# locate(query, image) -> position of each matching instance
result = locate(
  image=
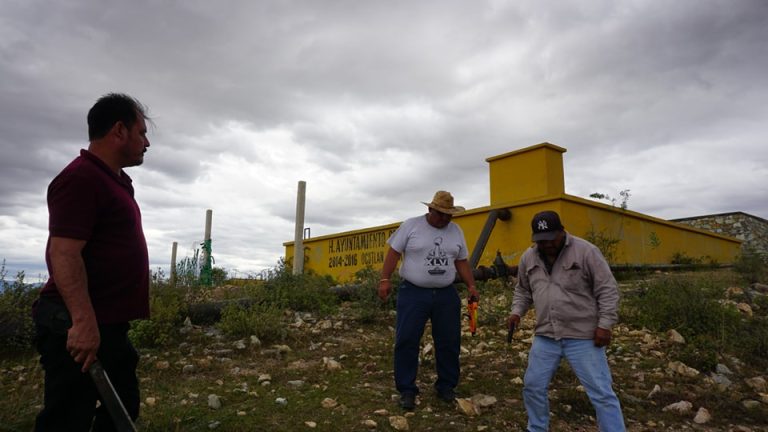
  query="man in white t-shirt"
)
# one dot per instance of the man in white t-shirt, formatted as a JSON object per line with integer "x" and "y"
{"x": 433, "y": 251}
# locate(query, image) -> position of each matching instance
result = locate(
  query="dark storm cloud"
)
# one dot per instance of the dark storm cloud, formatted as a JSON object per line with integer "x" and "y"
{"x": 377, "y": 105}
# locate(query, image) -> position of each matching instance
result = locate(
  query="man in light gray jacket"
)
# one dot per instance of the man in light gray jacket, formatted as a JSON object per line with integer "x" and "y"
{"x": 576, "y": 300}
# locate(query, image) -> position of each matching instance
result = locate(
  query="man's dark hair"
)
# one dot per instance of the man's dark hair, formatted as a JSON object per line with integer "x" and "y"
{"x": 110, "y": 109}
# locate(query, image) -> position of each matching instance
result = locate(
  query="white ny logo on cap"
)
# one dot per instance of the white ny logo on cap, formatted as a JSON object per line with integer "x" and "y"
{"x": 542, "y": 225}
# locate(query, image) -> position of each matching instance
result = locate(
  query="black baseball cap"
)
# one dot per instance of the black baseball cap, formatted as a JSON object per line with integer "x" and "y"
{"x": 545, "y": 226}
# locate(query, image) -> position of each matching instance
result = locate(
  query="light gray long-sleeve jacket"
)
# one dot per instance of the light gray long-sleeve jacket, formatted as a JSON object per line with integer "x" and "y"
{"x": 579, "y": 295}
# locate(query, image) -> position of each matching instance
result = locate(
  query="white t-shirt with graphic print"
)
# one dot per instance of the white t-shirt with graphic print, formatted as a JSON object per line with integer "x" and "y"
{"x": 428, "y": 253}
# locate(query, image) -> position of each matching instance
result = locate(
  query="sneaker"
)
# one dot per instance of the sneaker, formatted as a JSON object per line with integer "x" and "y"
{"x": 446, "y": 395}
{"x": 408, "y": 401}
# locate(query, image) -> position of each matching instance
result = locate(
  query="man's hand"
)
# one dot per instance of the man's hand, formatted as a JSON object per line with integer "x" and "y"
{"x": 473, "y": 293}
{"x": 385, "y": 286}
{"x": 513, "y": 319}
{"x": 83, "y": 342}
{"x": 602, "y": 337}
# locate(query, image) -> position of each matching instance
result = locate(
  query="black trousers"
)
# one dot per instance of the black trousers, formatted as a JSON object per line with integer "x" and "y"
{"x": 70, "y": 395}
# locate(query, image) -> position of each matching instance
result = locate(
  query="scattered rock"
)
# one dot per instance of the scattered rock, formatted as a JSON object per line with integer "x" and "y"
{"x": 656, "y": 389}
{"x": 370, "y": 424}
{"x": 745, "y": 309}
{"x": 467, "y": 407}
{"x": 331, "y": 364}
{"x": 281, "y": 401}
{"x": 214, "y": 401}
{"x": 239, "y": 345}
{"x": 682, "y": 369}
{"x": 162, "y": 365}
{"x": 734, "y": 292}
{"x": 702, "y": 416}
{"x": 329, "y": 403}
{"x": 761, "y": 288}
{"x": 188, "y": 369}
{"x": 682, "y": 407}
{"x": 150, "y": 401}
{"x": 723, "y": 369}
{"x": 381, "y": 412}
{"x": 516, "y": 380}
{"x": 757, "y": 384}
{"x": 722, "y": 381}
{"x": 750, "y": 404}
{"x": 295, "y": 383}
{"x": 675, "y": 337}
{"x": 399, "y": 423}
{"x": 214, "y": 424}
{"x": 483, "y": 401}
{"x": 310, "y": 424}
{"x": 426, "y": 350}
{"x": 255, "y": 341}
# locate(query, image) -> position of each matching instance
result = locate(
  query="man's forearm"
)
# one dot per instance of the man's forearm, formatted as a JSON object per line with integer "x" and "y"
{"x": 390, "y": 262}
{"x": 72, "y": 283}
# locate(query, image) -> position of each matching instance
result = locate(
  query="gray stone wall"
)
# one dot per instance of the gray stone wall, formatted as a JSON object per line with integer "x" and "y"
{"x": 752, "y": 230}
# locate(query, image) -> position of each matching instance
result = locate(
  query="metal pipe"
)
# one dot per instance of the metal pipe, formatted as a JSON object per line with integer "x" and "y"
{"x": 485, "y": 234}
{"x": 298, "y": 238}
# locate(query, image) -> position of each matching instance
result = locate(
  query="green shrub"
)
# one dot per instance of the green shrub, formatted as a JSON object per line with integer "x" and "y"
{"x": 165, "y": 318}
{"x": 263, "y": 320}
{"x": 16, "y": 327}
{"x": 368, "y": 306}
{"x": 691, "y": 304}
{"x": 607, "y": 244}
{"x": 751, "y": 266}
{"x": 307, "y": 292}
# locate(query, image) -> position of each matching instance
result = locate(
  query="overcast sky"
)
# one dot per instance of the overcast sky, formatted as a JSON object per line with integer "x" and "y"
{"x": 376, "y": 105}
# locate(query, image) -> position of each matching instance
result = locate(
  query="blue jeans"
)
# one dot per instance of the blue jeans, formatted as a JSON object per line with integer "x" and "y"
{"x": 590, "y": 366}
{"x": 415, "y": 306}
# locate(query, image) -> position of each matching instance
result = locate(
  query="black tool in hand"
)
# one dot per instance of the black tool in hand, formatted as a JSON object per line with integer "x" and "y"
{"x": 510, "y": 331}
{"x": 117, "y": 411}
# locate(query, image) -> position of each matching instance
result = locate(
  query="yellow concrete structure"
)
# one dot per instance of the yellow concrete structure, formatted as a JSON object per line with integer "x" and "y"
{"x": 525, "y": 182}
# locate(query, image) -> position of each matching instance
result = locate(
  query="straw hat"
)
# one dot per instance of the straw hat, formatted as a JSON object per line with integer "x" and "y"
{"x": 443, "y": 202}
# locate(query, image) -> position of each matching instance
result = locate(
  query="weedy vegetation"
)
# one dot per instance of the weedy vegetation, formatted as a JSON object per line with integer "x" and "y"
{"x": 291, "y": 353}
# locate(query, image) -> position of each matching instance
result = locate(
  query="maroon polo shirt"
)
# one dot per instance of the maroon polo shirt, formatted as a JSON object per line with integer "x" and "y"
{"x": 88, "y": 201}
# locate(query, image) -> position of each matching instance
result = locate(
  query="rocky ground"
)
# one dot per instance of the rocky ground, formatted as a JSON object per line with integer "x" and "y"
{"x": 334, "y": 373}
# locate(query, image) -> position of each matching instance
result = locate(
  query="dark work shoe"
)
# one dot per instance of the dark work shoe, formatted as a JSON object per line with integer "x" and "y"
{"x": 446, "y": 395}
{"x": 408, "y": 401}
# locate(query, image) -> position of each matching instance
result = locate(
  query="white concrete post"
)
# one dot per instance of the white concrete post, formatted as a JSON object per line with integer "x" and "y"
{"x": 208, "y": 221}
{"x": 173, "y": 263}
{"x": 298, "y": 242}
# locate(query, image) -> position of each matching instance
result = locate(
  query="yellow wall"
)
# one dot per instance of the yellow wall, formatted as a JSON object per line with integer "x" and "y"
{"x": 343, "y": 254}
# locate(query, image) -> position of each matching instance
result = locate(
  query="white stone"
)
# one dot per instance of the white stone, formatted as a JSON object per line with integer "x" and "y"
{"x": 675, "y": 337}
{"x": 331, "y": 364}
{"x": 214, "y": 401}
{"x": 745, "y": 309}
{"x": 399, "y": 423}
{"x": 329, "y": 403}
{"x": 757, "y": 384}
{"x": 467, "y": 407}
{"x": 483, "y": 401}
{"x": 682, "y": 407}
{"x": 655, "y": 390}
{"x": 370, "y": 424}
{"x": 702, "y": 416}
{"x": 682, "y": 369}
{"x": 150, "y": 401}
{"x": 750, "y": 404}
{"x": 310, "y": 424}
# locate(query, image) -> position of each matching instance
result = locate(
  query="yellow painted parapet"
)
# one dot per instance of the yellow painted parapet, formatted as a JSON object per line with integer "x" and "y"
{"x": 525, "y": 182}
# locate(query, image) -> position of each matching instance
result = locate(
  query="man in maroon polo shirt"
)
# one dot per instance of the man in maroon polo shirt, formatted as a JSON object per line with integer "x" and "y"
{"x": 99, "y": 266}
